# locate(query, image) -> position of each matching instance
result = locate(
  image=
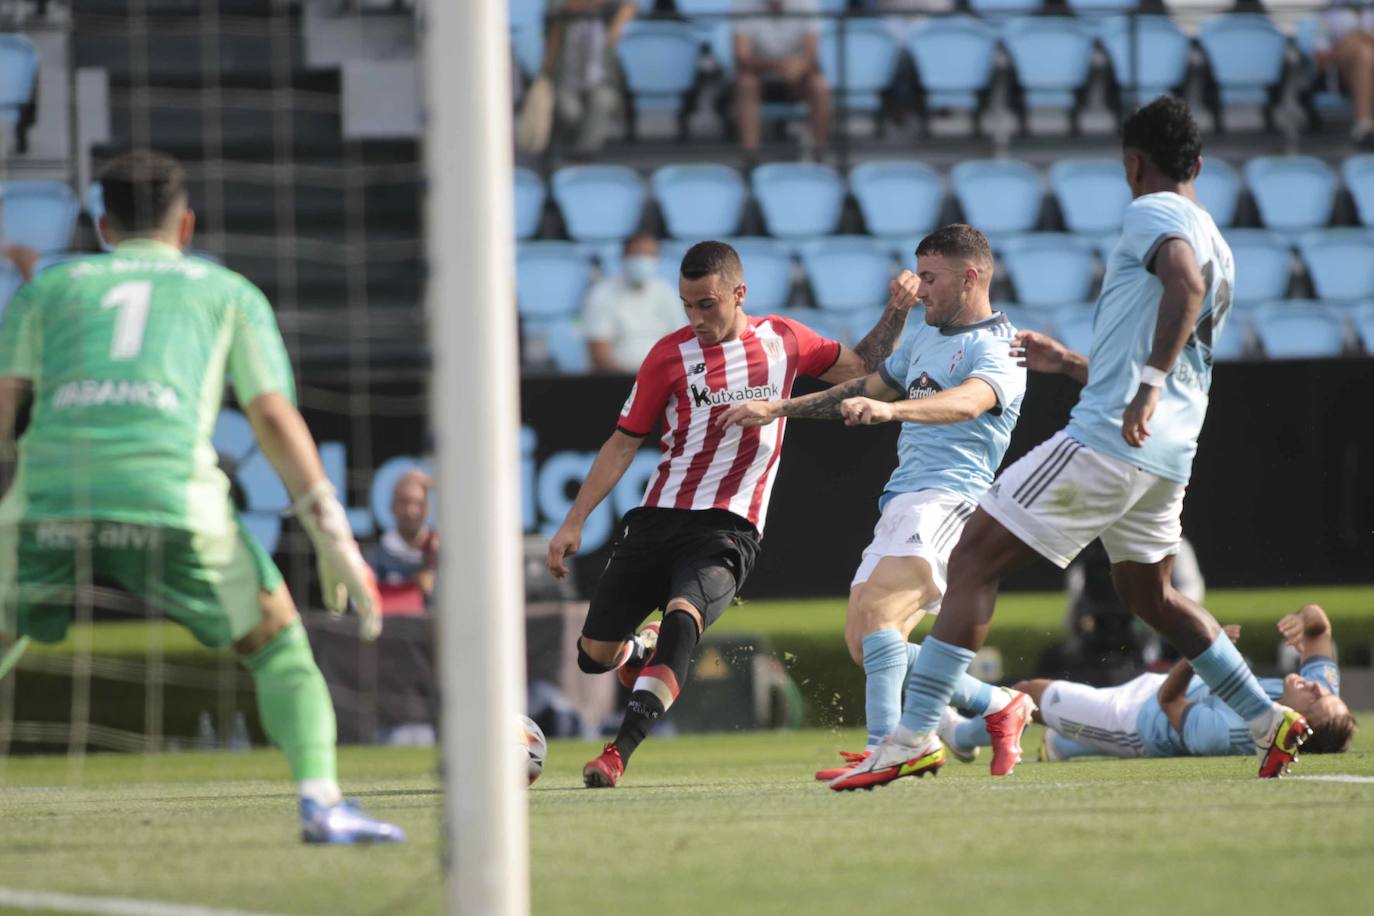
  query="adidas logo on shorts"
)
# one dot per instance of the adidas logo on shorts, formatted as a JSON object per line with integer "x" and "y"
{"x": 914, "y": 539}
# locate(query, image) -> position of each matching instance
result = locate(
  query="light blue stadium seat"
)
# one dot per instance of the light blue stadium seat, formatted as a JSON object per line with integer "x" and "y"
{"x": 1092, "y": 194}
{"x": 18, "y": 70}
{"x": 1358, "y": 173}
{"x": 599, "y": 202}
{"x": 550, "y": 279}
{"x": 998, "y": 195}
{"x": 1264, "y": 265}
{"x": 768, "y": 273}
{"x": 699, "y": 201}
{"x": 10, "y": 280}
{"x": 1299, "y": 329}
{"x": 848, "y": 271}
{"x": 897, "y": 198}
{"x": 1340, "y": 262}
{"x": 993, "y": 9}
{"x": 670, "y": 252}
{"x": 1052, "y": 56}
{"x": 1325, "y": 95}
{"x": 1218, "y": 190}
{"x": 1362, "y": 318}
{"x": 834, "y": 325}
{"x": 1160, "y": 61}
{"x": 870, "y": 61}
{"x": 566, "y": 345}
{"x": 529, "y": 203}
{"x": 1073, "y": 327}
{"x": 1050, "y": 268}
{"x": 798, "y": 199}
{"x": 659, "y": 62}
{"x": 40, "y": 214}
{"x": 526, "y": 13}
{"x": 954, "y": 57}
{"x": 1292, "y": 192}
{"x": 1246, "y": 55}
{"x": 1030, "y": 317}
{"x": 527, "y": 44}
{"x": 1234, "y": 341}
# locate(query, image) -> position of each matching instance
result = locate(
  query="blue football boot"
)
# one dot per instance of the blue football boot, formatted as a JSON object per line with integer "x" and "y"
{"x": 344, "y": 824}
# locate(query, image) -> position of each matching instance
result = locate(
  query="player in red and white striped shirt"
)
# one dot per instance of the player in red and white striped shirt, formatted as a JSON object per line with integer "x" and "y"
{"x": 689, "y": 546}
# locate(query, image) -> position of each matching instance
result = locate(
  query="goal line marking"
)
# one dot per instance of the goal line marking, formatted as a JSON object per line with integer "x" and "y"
{"x": 107, "y": 906}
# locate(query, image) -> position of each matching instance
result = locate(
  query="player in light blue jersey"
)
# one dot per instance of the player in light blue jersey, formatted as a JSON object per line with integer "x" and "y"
{"x": 1176, "y": 715}
{"x": 1119, "y": 470}
{"x": 956, "y": 389}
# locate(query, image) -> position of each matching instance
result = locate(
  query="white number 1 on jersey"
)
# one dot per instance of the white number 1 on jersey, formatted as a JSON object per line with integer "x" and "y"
{"x": 131, "y": 298}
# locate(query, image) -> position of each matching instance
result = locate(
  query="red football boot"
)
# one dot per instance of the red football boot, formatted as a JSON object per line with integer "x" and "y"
{"x": 1005, "y": 728}
{"x": 605, "y": 771}
{"x": 1289, "y": 732}
{"x": 851, "y": 760}
{"x": 891, "y": 761}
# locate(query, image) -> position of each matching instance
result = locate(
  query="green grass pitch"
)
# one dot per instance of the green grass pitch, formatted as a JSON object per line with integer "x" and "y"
{"x": 718, "y": 824}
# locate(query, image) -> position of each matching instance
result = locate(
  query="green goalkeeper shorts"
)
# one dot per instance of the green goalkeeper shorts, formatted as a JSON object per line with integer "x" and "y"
{"x": 211, "y": 585}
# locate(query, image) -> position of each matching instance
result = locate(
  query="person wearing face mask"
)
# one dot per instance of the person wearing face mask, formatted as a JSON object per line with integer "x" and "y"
{"x": 625, "y": 316}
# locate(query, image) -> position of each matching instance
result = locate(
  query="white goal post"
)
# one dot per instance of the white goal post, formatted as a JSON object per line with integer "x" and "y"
{"x": 471, "y": 303}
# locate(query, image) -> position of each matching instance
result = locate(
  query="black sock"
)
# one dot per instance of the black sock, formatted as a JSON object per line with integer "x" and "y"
{"x": 677, "y": 639}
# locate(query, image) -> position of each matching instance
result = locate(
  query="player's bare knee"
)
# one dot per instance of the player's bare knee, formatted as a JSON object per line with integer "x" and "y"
{"x": 686, "y": 607}
{"x": 278, "y": 613}
{"x": 594, "y": 656}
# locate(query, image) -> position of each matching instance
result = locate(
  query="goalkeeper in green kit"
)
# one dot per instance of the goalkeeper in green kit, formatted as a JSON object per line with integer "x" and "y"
{"x": 123, "y": 357}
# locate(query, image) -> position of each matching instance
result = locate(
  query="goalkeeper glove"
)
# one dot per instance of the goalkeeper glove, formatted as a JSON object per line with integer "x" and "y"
{"x": 343, "y": 572}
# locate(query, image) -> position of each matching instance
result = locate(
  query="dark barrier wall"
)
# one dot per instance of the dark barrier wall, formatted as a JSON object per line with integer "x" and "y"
{"x": 1282, "y": 490}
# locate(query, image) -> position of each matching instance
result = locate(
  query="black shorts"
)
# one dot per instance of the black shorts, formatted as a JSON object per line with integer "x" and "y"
{"x": 703, "y": 556}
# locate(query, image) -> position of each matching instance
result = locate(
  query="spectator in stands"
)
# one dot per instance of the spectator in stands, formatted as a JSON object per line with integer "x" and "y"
{"x": 777, "y": 59}
{"x": 24, "y": 258}
{"x": 579, "y": 57}
{"x": 1347, "y": 43}
{"x": 407, "y": 555}
{"x": 625, "y": 316}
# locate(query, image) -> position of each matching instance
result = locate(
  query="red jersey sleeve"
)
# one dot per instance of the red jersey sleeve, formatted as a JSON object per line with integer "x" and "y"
{"x": 815, "y": 354}
{"x": 649, "y": 396}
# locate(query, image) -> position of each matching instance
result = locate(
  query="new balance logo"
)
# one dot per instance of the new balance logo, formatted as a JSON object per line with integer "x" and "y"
{"x": 703, "y": 396}
{"x": 697, "y": 369}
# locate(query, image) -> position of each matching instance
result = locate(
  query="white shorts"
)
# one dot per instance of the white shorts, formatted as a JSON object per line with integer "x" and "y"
{"x": 1102, "y": 718}
{"x": 1062, "y": 494}
{"x": 925, "y": 524}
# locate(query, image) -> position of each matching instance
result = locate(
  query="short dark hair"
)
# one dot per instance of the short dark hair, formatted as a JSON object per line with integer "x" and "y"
{"x": 1331, "y": 735}
{"x": 706, "y": 258}
{"x": 636, "y": 237}
{"x": 140, "y": 188}
{"x": 957, "y": 240}
{"x": 1165, "y": 131}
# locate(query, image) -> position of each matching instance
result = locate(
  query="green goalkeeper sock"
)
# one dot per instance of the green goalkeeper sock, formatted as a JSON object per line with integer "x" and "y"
{"x": 294, "y": 704}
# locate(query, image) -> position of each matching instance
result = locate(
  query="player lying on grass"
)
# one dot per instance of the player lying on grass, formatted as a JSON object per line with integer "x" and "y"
{"x": 124, "y": 356}
{"x": 1119, "y": 470}
{"x": 956, "y": 389}
{"x": 1176, "y": 715}
{"x": 689, "y": 546}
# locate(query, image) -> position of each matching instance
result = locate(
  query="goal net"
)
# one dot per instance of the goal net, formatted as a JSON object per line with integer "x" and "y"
{"x": 300, "y": 183}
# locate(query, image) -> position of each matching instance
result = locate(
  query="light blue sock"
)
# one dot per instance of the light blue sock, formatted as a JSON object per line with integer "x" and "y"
{"x": 1064, "y": 748}
{"x": 970, "y": 694}
{"x": 885, "y": 663}
{"x": 932, "y": 682}
{"x": 972, "y": 733}
{"x": 1226, "y": 674}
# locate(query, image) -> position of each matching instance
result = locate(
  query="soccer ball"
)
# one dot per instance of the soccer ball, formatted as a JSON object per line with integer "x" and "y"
{"x": 532, "y": 740}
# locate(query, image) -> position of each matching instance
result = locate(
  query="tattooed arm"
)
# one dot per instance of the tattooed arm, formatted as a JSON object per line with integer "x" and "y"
{"x": 823, "y": 405}
{"x": 878, "y": 343}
